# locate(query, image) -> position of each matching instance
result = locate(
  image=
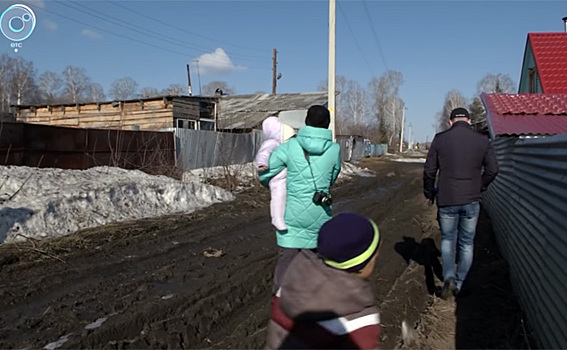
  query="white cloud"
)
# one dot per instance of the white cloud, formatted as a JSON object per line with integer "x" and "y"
{"x": 215, "y": 63}
{"x": 50, "y": 25}
{"x": 89, "y": 33}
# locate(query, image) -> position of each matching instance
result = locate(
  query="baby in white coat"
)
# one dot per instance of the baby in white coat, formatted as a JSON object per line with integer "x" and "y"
{"x": 275, "y": 132}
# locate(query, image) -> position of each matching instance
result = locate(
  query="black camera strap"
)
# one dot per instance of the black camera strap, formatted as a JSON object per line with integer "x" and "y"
{"x": 309, "y": 164}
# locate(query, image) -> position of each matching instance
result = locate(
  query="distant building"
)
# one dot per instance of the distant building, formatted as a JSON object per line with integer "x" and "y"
{"x": 156, "y": 113}
{"x": 526, "y": 201}
{"x": 540, "y": 107}
{"x": 233, "y": 113}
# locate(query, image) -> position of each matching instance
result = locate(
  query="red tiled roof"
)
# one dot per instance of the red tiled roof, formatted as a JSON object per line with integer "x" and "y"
{"x": 526, "y": 114}
{"x": 550, "y": 53}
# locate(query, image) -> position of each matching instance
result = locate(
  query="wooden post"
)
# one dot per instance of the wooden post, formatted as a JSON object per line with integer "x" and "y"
{"x": 274, "y": 65}
{"x": 332, "y": 69}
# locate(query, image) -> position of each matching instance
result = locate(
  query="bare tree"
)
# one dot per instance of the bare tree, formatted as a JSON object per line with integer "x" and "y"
{"x": 23, "y": 81}
{"x": 123, "y": 89}
{"x": 50, "y": 85}
{"x": 6, "y": 73}
{"x": 210, "y": 88}
{"x": 175, "y": 90}
{"x": 492, "y": 84}
{"x": 453, "y": 99}
{"x": 96, "y": 93}
{"x": 148, "y": 92}
{"x": 75, "y": 84}
{"x": 355, "y": 105}
{"x": 392, "y": 118}
{"x": 17, "y": 82}
{"x": 386, "y": 103}
{"x": 496, "y": 84}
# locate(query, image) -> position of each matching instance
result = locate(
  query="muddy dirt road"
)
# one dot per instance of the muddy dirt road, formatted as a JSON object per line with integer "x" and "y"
{"x": 148, "y": 284}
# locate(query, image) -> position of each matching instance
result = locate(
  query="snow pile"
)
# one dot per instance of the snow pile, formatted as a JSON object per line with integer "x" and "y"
{"x": 247, "y": 172}
{"x": 348, "y": 170}
{"x": 409, "y": 160}
{"x": 53, "y": 202}
{"x": 50, "y": 202}
{"x": 244, "y": 172}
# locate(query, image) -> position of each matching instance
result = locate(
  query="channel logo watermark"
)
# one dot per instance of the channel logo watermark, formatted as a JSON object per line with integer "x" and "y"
{"x": 17, "y": 24}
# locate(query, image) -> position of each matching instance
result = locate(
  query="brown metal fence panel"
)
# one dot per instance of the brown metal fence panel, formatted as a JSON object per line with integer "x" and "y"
{"x": 53, "y": 147}
{"x": 130, "y": 149}
{"x": 49, "y": 146}
{"x": 11, "y": 143}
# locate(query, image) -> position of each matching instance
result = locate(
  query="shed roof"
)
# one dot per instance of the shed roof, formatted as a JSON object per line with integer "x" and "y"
{"x": 550, "y": 53}
{"x": 247, "y": 111}
{"x": 526, "y": 114}
{"x": 145, "y": 99}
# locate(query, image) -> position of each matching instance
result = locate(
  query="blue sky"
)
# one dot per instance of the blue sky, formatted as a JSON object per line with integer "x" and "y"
{"x": 438, "y": 46}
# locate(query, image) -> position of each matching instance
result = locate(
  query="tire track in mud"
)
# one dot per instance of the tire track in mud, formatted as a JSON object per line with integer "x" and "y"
{"x": 149, "y": 286}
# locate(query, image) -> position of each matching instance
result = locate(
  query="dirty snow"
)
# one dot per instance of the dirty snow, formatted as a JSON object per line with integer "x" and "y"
{"x": 247, "y": 172}
{"x": 49, "y": 202}
{"x": 409, "y": 160}
{"x": 53, "y": 202}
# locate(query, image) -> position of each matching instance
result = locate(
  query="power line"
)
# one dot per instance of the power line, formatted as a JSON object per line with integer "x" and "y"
{"x": 375, "y": 35}
{"x": 114, "y": 33}
{"x": 177, "y": 28}
{"x": 121, "y": 23}
{"x": 355, "y": 40}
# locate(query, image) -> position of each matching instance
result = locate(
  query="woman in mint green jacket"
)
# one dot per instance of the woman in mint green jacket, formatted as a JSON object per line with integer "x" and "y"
{"x": 313, "y": 164}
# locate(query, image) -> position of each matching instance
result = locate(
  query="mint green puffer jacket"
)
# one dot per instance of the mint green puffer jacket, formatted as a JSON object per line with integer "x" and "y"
{"x": 303, "y": 217}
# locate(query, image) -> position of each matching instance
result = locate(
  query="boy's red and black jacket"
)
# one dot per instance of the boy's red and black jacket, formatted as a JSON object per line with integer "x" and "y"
{"x": 319, "y": 307}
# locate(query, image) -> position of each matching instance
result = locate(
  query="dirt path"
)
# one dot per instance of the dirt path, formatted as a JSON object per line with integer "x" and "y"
{"x": 147, "y": 284}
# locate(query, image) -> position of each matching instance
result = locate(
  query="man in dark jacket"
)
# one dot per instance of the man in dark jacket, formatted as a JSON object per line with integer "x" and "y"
{"x": 467, "y": 164}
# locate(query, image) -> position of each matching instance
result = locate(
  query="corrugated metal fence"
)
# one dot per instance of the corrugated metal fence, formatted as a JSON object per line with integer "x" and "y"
{"x": 354, "y": 148}
{"x": 203, "y": 149}
{"x": 527, "y": 203}
{"x": 36, "y": 145}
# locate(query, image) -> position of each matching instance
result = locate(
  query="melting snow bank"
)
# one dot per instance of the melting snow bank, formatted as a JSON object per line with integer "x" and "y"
{"x": 53, "y": 202}
{"x": 247, "y": 172}
{"x": 348, "y": 170}
{"x": 41, "y": 203}
{"x": 409, "y": 160}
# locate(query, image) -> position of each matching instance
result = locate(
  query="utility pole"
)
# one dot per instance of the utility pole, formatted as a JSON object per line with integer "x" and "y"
{"x": 198, "y": 75}
{"x": 410, "y": 136}
{"x": 331, "y": 88}
{"x": 274, "y": 68}
{"x": 402, "y": 129}
{"x": 189, "y": 89}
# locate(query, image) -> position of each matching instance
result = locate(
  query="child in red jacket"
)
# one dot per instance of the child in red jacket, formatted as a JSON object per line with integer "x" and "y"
{"x": 325, "y": 301}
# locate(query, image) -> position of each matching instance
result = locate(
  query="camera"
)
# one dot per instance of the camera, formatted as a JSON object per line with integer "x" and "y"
{"x": 322, "y": 198}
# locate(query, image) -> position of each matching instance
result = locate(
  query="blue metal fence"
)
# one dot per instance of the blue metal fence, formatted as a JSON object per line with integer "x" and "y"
{"x": 527, "y": 205}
